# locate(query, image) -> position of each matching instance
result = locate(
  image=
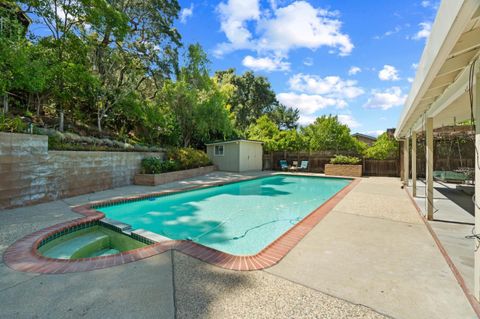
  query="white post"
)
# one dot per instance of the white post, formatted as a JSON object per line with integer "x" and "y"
{"x": 476, "y": 108}
{"x": 406, "y": 159}
{"x": 414, "y": 164}
{"x": 429, "y": 167}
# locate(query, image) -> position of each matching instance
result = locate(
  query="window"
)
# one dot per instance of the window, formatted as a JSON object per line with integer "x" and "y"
{"x": 218, "y": 150}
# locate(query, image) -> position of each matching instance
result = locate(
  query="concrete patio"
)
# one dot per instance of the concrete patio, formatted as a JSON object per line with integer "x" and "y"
{"x": 453, "y": 220}
{"x": 371, "y": 257}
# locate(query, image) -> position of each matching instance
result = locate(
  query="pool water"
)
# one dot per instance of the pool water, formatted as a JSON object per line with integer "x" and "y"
{"x": 240, "y": 218}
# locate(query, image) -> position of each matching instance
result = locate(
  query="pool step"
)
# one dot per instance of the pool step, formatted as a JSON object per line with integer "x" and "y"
{"x": 148, "y": 237}
{"x": 105, "y": 252}
{"x": 78, "y": 247}
{"x": 116, "y": 225}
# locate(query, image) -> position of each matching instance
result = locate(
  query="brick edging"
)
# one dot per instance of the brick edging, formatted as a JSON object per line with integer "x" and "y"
{"x": 456, "y": 273}
{"x": 23, "y": 255}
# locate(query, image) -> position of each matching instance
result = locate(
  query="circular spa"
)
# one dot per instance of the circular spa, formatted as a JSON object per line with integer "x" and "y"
{"x": 87, "y": 242}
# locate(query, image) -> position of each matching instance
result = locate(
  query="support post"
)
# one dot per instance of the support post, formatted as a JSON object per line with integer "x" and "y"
{"x": 414, "y": 164}
{"x": 429, "y": 167}
{"x": 406, "y": 159}
{"x": 476, "y": 108}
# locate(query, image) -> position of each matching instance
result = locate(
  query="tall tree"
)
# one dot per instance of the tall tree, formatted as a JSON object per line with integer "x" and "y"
{"x": 253, "y": 96}
{"x": 328, "y": 134}
{"x": 285, "y": 117}
{"x": 197, "y": 102}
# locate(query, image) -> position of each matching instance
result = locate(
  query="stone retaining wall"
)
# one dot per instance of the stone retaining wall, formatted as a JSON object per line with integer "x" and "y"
{"x": 343, "y": 170}
{"x": 30, "y": 174}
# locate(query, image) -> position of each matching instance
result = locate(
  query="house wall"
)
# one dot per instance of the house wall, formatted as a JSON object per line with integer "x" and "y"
{"x": 229, "y": 161}
{"x": 30, "y": 174}
{"x": 251, "y": 155}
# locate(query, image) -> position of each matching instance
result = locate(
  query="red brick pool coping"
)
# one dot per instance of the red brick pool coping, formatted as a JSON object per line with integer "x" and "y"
{"x": 23, "y": 255}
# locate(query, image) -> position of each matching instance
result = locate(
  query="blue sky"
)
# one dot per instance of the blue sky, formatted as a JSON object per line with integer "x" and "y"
{"x": 352, "y": 58}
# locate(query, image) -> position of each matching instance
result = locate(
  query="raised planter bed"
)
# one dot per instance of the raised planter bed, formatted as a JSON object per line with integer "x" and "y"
{"x": 343, "y": 170}
{"x": 159, "y": 179}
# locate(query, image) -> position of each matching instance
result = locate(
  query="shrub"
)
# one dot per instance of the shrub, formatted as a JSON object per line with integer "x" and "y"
{"x": 12, "y": 125}
{"x": 342, "y": 159}
{"x": 188, "y": 157}
{"x": 152, "y": 165}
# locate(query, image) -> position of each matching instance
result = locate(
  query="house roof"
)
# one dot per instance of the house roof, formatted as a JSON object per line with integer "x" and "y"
{"x": 365, "y": 136}
{"x": 234, "y": 141}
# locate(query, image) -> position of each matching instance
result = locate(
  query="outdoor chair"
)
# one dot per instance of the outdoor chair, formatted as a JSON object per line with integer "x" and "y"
{"x": 294, "y": 166}
{"x": 283, "y": 165}
{"x": 303, "y": 166}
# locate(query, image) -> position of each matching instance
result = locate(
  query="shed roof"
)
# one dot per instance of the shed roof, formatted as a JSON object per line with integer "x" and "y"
{"x": 234, "y": 141}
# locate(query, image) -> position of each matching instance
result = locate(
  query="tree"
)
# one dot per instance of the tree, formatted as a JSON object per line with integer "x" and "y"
{"x": 285, "y": 117}
{"x": 252, "y": 97}
{"x": 328, "y": 134}
{"x": 198, "y": 104}
{"x": 291, "y": 140}
{"x": 13, "y": 51}
{"x": 264, "y": 130}
{"x": 385, "y": 147}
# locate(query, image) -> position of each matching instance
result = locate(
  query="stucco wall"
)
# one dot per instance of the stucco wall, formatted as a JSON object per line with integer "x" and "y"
{"x": 229, "y": 161}
{"x": 251, "y": 156}
{"x": 29, "y": 173}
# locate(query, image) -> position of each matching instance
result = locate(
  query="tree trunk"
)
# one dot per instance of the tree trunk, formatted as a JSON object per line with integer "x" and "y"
{"x": 37, "y": 102}
{"x": 99, "y": 121}
{"x": 5, "y": 103}
{"x": 61, "y": 124}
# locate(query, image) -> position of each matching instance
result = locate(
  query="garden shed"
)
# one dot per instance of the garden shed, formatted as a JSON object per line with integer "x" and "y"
{"x": 236, "y": 155}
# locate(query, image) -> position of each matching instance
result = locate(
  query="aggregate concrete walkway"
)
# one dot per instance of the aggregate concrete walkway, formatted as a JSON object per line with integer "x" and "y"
{"x": 370, "y": 256}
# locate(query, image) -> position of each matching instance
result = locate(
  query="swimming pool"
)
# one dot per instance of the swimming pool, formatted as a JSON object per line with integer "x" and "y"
{"x": 240, "y": 218}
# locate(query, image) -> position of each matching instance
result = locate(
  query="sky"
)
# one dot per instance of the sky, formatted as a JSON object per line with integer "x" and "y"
{"x": 355, "y": 59}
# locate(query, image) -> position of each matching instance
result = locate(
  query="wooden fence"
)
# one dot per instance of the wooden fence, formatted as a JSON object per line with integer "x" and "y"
{"x": 371, "y": 167}
{"x": 317, "y": 161}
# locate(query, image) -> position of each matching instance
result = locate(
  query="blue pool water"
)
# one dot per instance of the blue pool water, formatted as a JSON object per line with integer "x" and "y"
{"x": 240, "y": 218}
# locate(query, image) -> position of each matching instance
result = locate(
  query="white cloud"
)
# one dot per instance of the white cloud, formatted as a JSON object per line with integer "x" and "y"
{"x": 186, "y": 13}
{"x": 388, "y": 33}
{"x": 424, "y": 32}
{"x": 430, "y": 4}
{"x": 308, "y": 104}
{"x": 265, "y": 64}
{"x": 299, "y": 25}
{"x": 425, "y": 4}
{"x": 233, "y": 22}
{"x": 354, "y": 70}
{"x": 386, "y": 99}
{"x": 348, "y": 120}
{"x": 414, "y": 66}
{"x": 388, "y": 73}
{"x": 280, "y": 29}
{"x": 306, "y": 119}
{"x": 410, "y": 80}
{"x": 330, "y": 86}
{"x": 311, "y": 93}
{"x": 308, "y": 61}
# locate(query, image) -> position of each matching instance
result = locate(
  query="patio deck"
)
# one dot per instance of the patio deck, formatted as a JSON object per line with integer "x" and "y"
{"x": 370, "y": 257}
{"x": 453, "y": 220}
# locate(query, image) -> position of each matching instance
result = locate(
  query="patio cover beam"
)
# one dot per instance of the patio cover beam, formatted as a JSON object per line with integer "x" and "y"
{"x": 429, "y": 167}
{"x": 414, "y": 164}
{"x": 477, "y": 185}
